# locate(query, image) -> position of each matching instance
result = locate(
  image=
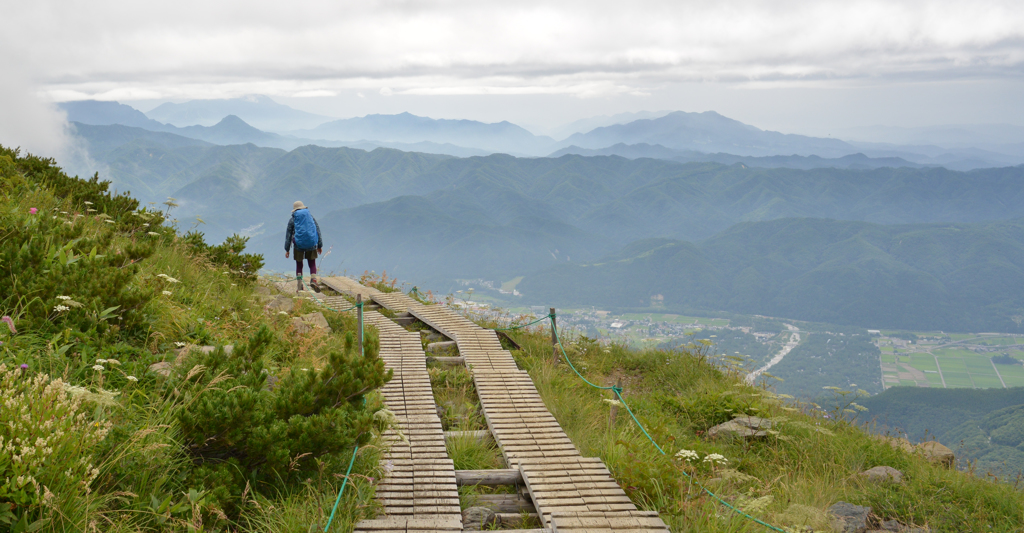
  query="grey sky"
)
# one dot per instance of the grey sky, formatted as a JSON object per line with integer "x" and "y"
{"x": 803, "y": 67}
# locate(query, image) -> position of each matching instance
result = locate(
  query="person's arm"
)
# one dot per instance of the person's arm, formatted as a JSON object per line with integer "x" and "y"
{"x": 288, "y": 236}
{"x": 319, "y": 237}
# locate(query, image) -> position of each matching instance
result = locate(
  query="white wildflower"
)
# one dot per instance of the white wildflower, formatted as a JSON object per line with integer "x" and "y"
{"x": 98, "y": 368}
{"x": 179, "y": 344}
{"x": 132, "y": 378}
{"x": 167, "y": 293}
{"x": 64, "y": 298}
{"x": 282, "y": 313}
{"x": 152, "y": 233}
{"x": 171, "y": 280}
{"x": 108, "y": 221}
{"x": 87, "y": 203}
{"x": 687, "y": 455}
{"x": 61, "y": 308}
{"x": 611, "y": 401}
{"x": 146, "y": 224}
{"x": 114, "y": 362}
{"x": 102, "y": 361}
{"x": 715, "y": 458}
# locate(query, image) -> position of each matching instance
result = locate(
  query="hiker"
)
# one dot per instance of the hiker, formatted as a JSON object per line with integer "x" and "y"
{"x": 304, "y": 233}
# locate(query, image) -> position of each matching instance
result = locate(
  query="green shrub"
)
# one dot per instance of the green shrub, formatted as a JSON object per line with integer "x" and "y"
{"x": 227, "y": 254}
{"x": 245, "y": 429}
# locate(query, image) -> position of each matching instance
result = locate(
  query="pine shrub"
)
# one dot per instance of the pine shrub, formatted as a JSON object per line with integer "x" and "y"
{"x": 227, "y": 254}
{"x": 244, "y": 429}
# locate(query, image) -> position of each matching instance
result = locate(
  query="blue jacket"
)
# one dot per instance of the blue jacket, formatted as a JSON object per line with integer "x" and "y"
{"x": 289, "y": 235}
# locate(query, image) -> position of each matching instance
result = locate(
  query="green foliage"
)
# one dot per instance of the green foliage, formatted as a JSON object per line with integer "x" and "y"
{"x": 806, "y": 463}
{"x": 46, "y": 442}
{"x": 1005, "y": 359}
{"x": 960, "y": 277}
{"x": 227, "y": 254}
{"x": 243, "y": 431}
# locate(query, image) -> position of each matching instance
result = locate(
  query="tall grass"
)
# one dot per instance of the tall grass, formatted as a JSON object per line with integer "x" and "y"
{"x": 789, "y": 479}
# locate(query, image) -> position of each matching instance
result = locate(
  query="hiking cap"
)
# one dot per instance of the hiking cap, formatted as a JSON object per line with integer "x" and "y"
{"x": 297, "y": 205}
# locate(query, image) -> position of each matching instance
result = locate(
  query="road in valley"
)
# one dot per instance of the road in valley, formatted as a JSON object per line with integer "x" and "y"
{"x": 794, "y": 339}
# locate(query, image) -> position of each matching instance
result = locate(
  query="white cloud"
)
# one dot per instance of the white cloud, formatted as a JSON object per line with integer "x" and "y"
{"x": 190, "y": 49}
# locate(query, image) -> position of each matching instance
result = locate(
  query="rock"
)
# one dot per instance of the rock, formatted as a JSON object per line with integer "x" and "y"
{"x": 883, "y": 474}
{"x": 317, "y": 320}
{"x": 205, "y": 349}
{"x": 849, "y": 518}
{"x": 898, "y": 443}
{"x": 889, "y": 526}
{"x": 262, "y": 291}
{"x": 281, "y": 303}
{"x": 937, "y": 453}
{"x": 442, "y": 347}
{"x": 477, "y": 518}
{"x": 745, "y": 427}
{"x": 163, "y": 368}
{"x": 300, "y": 326}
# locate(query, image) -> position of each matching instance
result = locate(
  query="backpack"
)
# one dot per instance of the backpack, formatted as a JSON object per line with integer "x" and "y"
{"x": 306, "y": 237}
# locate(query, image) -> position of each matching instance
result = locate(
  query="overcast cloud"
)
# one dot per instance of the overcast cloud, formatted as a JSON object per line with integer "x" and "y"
{"x": 615, "y": 52}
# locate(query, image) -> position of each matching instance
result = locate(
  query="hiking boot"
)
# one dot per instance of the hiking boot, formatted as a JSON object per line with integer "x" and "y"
{"x": 314, "y": 285}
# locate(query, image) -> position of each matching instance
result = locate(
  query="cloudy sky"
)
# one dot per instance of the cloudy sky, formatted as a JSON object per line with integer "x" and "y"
{"x": 802, "y": 67}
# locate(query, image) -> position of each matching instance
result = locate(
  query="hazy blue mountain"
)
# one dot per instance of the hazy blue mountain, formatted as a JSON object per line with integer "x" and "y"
{"x": 948, "y": 135}
{"x": 408, "y": 128}
{"x": 954, "y": 277}
{"x": 234, "y": 130}
{"x": 634, "y": 151}
{"x": 94, "y": 112}
{"x": 586, "y": 124}
{"x": 416, "y": 239}
{"x": 260, "y": 111}
{"x": 708, "y": 132}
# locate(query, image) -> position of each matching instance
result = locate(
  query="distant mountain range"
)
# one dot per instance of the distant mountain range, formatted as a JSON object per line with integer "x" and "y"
{"x": 676, "y": 136}
{"x": 408, "y": 128}
{"x": 260, "y": 111}
{"x": 635, "y": 151}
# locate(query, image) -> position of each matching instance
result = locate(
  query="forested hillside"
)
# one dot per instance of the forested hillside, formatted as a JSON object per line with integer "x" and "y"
{"x": 958, "y": 277}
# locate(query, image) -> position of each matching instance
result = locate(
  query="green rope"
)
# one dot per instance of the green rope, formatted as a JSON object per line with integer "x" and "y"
{"x": 343, "y": 483}
{"x": 618, "y": 394}
{"x": 510, "y": 328}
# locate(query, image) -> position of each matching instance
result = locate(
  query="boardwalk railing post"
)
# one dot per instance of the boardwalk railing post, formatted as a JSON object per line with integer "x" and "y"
{"x": 615, "y": 406}
{"x": 554, "y": 337}
{"x": 359, "y": 311}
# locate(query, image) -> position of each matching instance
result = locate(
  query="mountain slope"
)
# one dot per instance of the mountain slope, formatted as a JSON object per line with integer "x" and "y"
{"x": 708, "y": 132}
{"x": 409, "y": 128}
{"x": 260, "y": 111}
{"x": 955, "y": 277}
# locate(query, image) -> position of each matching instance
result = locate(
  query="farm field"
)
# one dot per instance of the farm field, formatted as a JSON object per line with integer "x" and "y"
{"x": 960, "y": 360}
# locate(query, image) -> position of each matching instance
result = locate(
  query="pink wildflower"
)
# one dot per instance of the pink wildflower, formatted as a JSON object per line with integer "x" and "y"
{"x": 32, "y": 210}
{"x": 10, "y": 324}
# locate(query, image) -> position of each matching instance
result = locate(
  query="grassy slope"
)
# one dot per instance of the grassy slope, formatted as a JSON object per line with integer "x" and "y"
{"x": 143, "y": 480}
{"x": 794, "y": 476}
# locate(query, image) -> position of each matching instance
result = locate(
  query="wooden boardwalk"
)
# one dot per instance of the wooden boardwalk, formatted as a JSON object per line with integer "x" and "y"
{"x": 419, "y": 491}
{"x": 571, "y": 492}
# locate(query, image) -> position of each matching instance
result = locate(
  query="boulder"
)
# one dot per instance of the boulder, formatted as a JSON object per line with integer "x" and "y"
{"x": 300, "y": 326}
{"x": 478, "y": 518}
{"x": 317, "y": 320}
{"x": 744, "y": 427}
{"x": 937, "y": 453}
{"x": 281, "y": 303}
{"x": 442, "y": 347}
{"x": 163, "y": 368}
{"x": 849, "y": 518}
{"x": 898, "y": 443}
{"x": 883, "y": 474}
